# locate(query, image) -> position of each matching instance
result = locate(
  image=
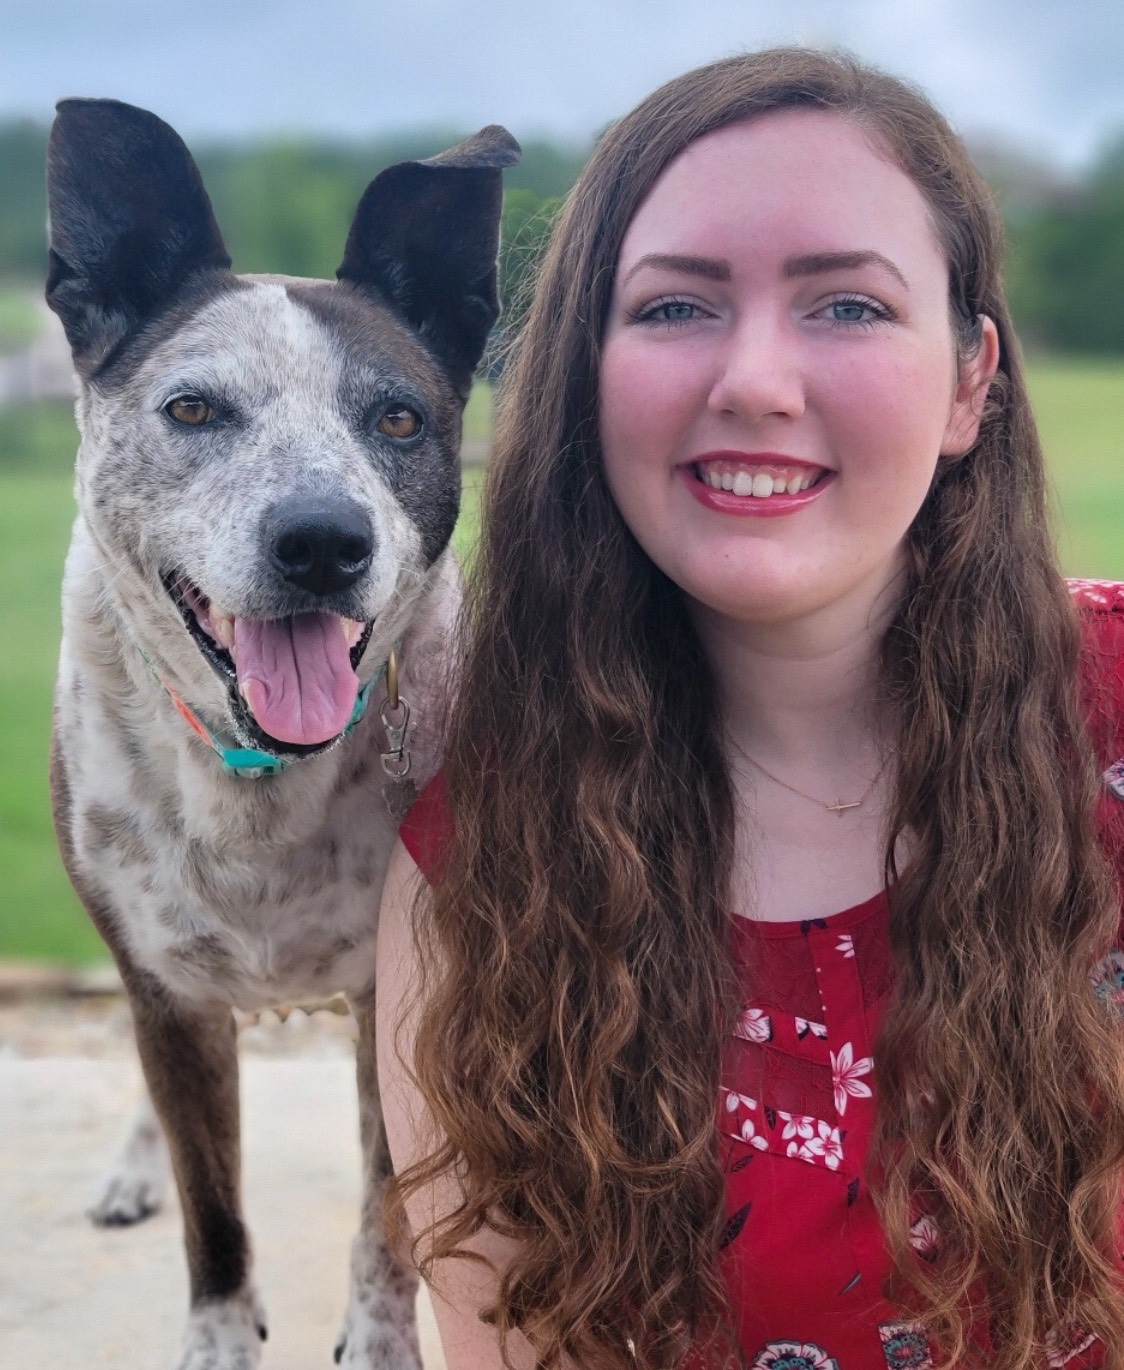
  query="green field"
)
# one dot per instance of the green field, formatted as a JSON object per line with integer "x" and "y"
{"x": 19, "y": 319}
{"x": 1080, "y": 406}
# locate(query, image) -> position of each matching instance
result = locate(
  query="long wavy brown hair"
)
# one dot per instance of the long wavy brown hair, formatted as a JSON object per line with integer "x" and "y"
{"x": 578, "y": 988}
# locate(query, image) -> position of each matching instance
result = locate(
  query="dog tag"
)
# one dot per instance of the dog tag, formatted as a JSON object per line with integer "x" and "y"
{"x": 399, "y": 795}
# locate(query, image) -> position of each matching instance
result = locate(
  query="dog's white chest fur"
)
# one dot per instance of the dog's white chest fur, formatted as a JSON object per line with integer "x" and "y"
{"x": 241, "y": 916}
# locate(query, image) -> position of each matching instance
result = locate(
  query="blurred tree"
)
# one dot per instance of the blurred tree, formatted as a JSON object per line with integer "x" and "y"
{"x": 546, "y": 169}
{"x": 23, "y": 201}
{"x": 284, "y": 207}
{"x": 1066, "y": 271}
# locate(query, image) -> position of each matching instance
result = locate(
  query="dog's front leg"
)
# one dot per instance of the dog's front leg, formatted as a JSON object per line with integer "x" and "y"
{"x": 191, "y": 1067}
{"x": 380, "y": 1327}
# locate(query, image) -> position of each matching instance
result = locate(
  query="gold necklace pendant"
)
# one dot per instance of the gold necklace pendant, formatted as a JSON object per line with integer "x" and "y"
{"x": 840, "y": 807}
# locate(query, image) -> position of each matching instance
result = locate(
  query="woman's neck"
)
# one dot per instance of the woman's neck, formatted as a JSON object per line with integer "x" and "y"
{"x": 809, "y": 745}
{"x": 795, "y": 693}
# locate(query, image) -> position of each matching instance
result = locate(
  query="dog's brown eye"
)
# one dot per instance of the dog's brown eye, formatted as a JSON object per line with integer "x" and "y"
{"x": 399, "y": 422}
{"x": 189, "y": 409}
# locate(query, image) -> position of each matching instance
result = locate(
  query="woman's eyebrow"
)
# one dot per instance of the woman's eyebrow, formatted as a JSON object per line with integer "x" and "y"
{"x": 818, "y": 263}
{"x": 710, "y": 268}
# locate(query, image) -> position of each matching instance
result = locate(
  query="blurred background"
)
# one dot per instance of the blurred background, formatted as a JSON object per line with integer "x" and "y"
{"x": 292, "y": 107}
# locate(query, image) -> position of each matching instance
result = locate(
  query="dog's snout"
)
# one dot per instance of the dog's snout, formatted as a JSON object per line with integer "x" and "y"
{"x": 321, "y": 546}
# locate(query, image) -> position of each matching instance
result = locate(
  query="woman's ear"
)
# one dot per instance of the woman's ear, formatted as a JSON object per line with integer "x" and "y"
{"x": 968, "y": 402}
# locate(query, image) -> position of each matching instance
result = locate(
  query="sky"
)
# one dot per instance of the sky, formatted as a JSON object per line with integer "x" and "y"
{"x": 1045, "y": 75}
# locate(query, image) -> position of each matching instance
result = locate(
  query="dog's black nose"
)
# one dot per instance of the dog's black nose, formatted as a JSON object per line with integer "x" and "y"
{"x": 321, "y": 545}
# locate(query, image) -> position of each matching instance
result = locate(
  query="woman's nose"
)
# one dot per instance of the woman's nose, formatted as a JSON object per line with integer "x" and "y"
{"x": 759, "y": 372}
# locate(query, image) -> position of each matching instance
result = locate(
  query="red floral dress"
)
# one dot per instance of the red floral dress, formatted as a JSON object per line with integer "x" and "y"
{"x": 804, "y": 1253}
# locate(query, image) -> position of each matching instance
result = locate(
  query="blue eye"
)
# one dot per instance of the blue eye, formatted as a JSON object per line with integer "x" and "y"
{"x": 848, "y": 311}
{"x": 670, "y": 312}
{"x": 855, "y": 311}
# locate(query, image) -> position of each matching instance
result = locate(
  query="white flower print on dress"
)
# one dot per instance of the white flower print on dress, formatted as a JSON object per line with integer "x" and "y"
{"x": 750, "y": 1134}
{"x": 924, "y": 1238}
{"x": 1064, "y": 1349}
{"x": 734, "y": 1101}
{"x": 793, "y": 1355}
{"x": 797, "y": 1125}
{"x": 804, "y": 1026}
{"x": 754, "y": 1025}
{"x": 846, "y": 946}
{"x": 846, "y": 1075}
{"x": 824, "y": 1146}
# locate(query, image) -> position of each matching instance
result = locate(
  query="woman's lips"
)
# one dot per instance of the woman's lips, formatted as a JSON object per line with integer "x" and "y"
{"x": 758, "y": 485}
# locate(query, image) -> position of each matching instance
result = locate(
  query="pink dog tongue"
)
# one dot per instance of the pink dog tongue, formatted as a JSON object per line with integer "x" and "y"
{"x": 295, "y": 675}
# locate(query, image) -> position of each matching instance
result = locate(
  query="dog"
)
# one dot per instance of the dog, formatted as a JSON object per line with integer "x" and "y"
{"x": 258, "y": 591}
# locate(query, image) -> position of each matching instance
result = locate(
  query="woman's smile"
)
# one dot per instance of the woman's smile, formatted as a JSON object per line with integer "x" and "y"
{"x": 754, "y": 485}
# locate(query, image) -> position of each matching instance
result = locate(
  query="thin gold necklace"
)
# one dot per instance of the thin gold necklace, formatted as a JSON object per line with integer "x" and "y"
{"x": 840, "y": 806}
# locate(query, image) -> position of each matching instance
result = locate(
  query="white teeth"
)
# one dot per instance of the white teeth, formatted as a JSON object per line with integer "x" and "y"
{"x": 244, "y": 691}
{"x": 759, "y": 484}
{"x": 352, "y": 630}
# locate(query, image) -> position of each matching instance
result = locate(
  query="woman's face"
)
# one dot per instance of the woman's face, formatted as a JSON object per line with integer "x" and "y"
{"x": 779, "y": 376}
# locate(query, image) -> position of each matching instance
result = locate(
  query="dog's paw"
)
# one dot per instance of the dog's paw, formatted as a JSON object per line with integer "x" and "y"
{"x": 380, "y": 1328}
{"x": 134, "y": 1186}
{"x": 225, "y": 1334}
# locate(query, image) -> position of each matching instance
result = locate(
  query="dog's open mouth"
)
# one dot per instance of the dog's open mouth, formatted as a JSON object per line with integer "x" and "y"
{"x": 292, "y": 680}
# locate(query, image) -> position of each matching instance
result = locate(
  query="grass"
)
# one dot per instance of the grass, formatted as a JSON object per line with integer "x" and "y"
{"x": 1079, "y": 404}
{"x": 20, "y": 320}
{"x": 1080, "y": 409}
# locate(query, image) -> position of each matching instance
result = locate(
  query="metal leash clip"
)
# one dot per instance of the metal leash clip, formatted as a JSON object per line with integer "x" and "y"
{"x": 394, "y": 714}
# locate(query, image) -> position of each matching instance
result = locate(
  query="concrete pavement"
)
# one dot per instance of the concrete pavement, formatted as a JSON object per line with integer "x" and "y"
{"x": 74, "y": 1297}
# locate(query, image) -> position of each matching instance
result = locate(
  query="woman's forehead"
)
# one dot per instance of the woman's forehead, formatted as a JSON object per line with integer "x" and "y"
{"x": 813, "y": 178}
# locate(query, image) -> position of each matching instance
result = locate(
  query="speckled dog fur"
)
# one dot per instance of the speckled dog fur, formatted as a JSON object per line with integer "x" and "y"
{"x": 214, "y": 891}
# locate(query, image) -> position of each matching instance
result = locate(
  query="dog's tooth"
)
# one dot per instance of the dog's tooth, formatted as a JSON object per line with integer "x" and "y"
{"x": 244, "y": 689}
{"x": 223, "y": 626}
{"x": 352, "y": 630}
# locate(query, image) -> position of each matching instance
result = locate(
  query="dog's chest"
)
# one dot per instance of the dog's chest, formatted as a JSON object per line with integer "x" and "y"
{"x": 282, "y": 925}
{"x": 261, "y": 902}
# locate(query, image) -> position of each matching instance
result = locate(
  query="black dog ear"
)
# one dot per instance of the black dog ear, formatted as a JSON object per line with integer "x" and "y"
{"x": 130, "y": 222}
{"x": 425, "y": 238}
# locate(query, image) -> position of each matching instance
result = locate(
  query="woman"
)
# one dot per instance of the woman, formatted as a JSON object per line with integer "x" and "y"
{"x": 767, "y": 786}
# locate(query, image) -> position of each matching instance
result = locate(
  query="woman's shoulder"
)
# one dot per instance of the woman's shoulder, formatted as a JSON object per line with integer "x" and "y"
{"x": 1100, "y": 606}
{"x": 1097, "y": 600}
